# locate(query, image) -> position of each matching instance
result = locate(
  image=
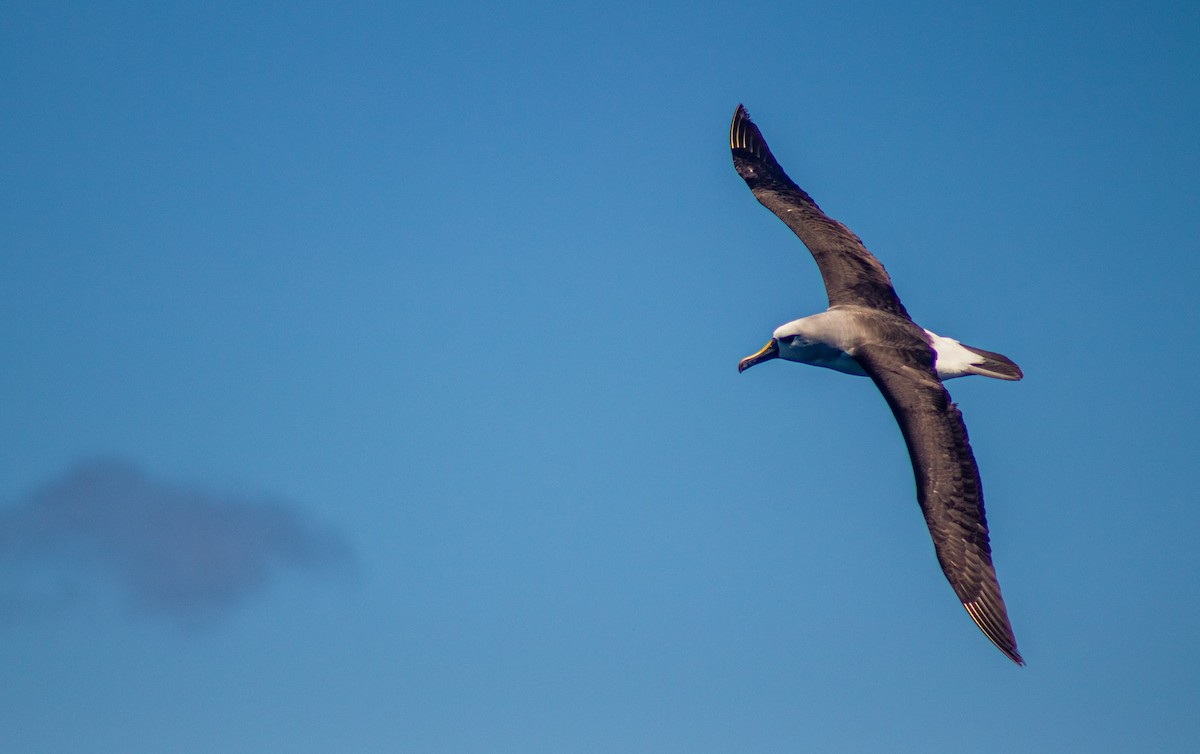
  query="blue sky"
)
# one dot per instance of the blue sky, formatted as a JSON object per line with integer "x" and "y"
{"x": 371, "y": 377}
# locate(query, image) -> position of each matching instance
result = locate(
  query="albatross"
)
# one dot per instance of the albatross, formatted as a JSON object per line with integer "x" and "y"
{"x": 866, "y": 331}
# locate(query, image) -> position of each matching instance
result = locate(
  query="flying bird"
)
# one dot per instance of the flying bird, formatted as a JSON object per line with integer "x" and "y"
{"x": 866, "y": 331}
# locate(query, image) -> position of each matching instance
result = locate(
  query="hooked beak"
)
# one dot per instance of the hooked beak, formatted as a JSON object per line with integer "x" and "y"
{"x": 768, "y": 352}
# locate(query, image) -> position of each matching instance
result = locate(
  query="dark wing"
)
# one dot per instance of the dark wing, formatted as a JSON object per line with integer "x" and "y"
{"x": 948, "y": 485}
{"x": 852, "y": 274}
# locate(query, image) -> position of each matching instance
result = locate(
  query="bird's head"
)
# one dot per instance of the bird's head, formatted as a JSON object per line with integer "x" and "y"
{"x": 790, "y": 341}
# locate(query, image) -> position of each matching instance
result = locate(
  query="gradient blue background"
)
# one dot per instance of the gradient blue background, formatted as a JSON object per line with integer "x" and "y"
{"x": 464, "y": 287}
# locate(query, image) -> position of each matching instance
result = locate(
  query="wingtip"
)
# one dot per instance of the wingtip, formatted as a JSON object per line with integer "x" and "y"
{"x": 1015, "y": 656}
{"x": 1012, "y": 654}
{"x": 744, "y": 135}
{"x": 737, "y": 128}
{"x": 997, "y": 629}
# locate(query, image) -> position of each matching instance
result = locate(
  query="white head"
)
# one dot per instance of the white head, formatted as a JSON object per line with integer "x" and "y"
{"x": 786, "y": 338}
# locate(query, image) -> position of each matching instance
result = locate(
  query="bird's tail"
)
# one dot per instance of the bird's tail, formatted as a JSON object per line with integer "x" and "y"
{"x": 993, "y": 365}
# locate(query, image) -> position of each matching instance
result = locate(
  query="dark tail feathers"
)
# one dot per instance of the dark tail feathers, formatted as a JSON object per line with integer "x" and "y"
{"x": 994, "y": 365}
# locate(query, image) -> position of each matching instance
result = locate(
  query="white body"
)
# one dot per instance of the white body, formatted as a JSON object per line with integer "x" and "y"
{"x": 823, "y": 340}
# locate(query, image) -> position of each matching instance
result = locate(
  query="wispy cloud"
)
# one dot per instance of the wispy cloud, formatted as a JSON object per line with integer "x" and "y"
{"x": 174, "y": 550}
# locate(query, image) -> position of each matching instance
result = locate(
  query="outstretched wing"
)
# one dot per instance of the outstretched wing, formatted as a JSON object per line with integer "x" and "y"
{"x": 948, "y": 485}
{"x": 852, "y": 274}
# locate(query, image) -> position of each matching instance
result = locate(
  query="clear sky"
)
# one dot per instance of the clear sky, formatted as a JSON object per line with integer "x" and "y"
{"x": 370, "y": 377}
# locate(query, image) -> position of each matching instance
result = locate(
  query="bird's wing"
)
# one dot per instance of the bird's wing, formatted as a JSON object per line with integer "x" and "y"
{"x": 852, "y": 274}
{"x": 948, "y": 485}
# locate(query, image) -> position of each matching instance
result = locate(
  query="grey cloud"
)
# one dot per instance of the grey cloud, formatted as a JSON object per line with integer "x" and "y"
{"x": 174, "y": 550}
